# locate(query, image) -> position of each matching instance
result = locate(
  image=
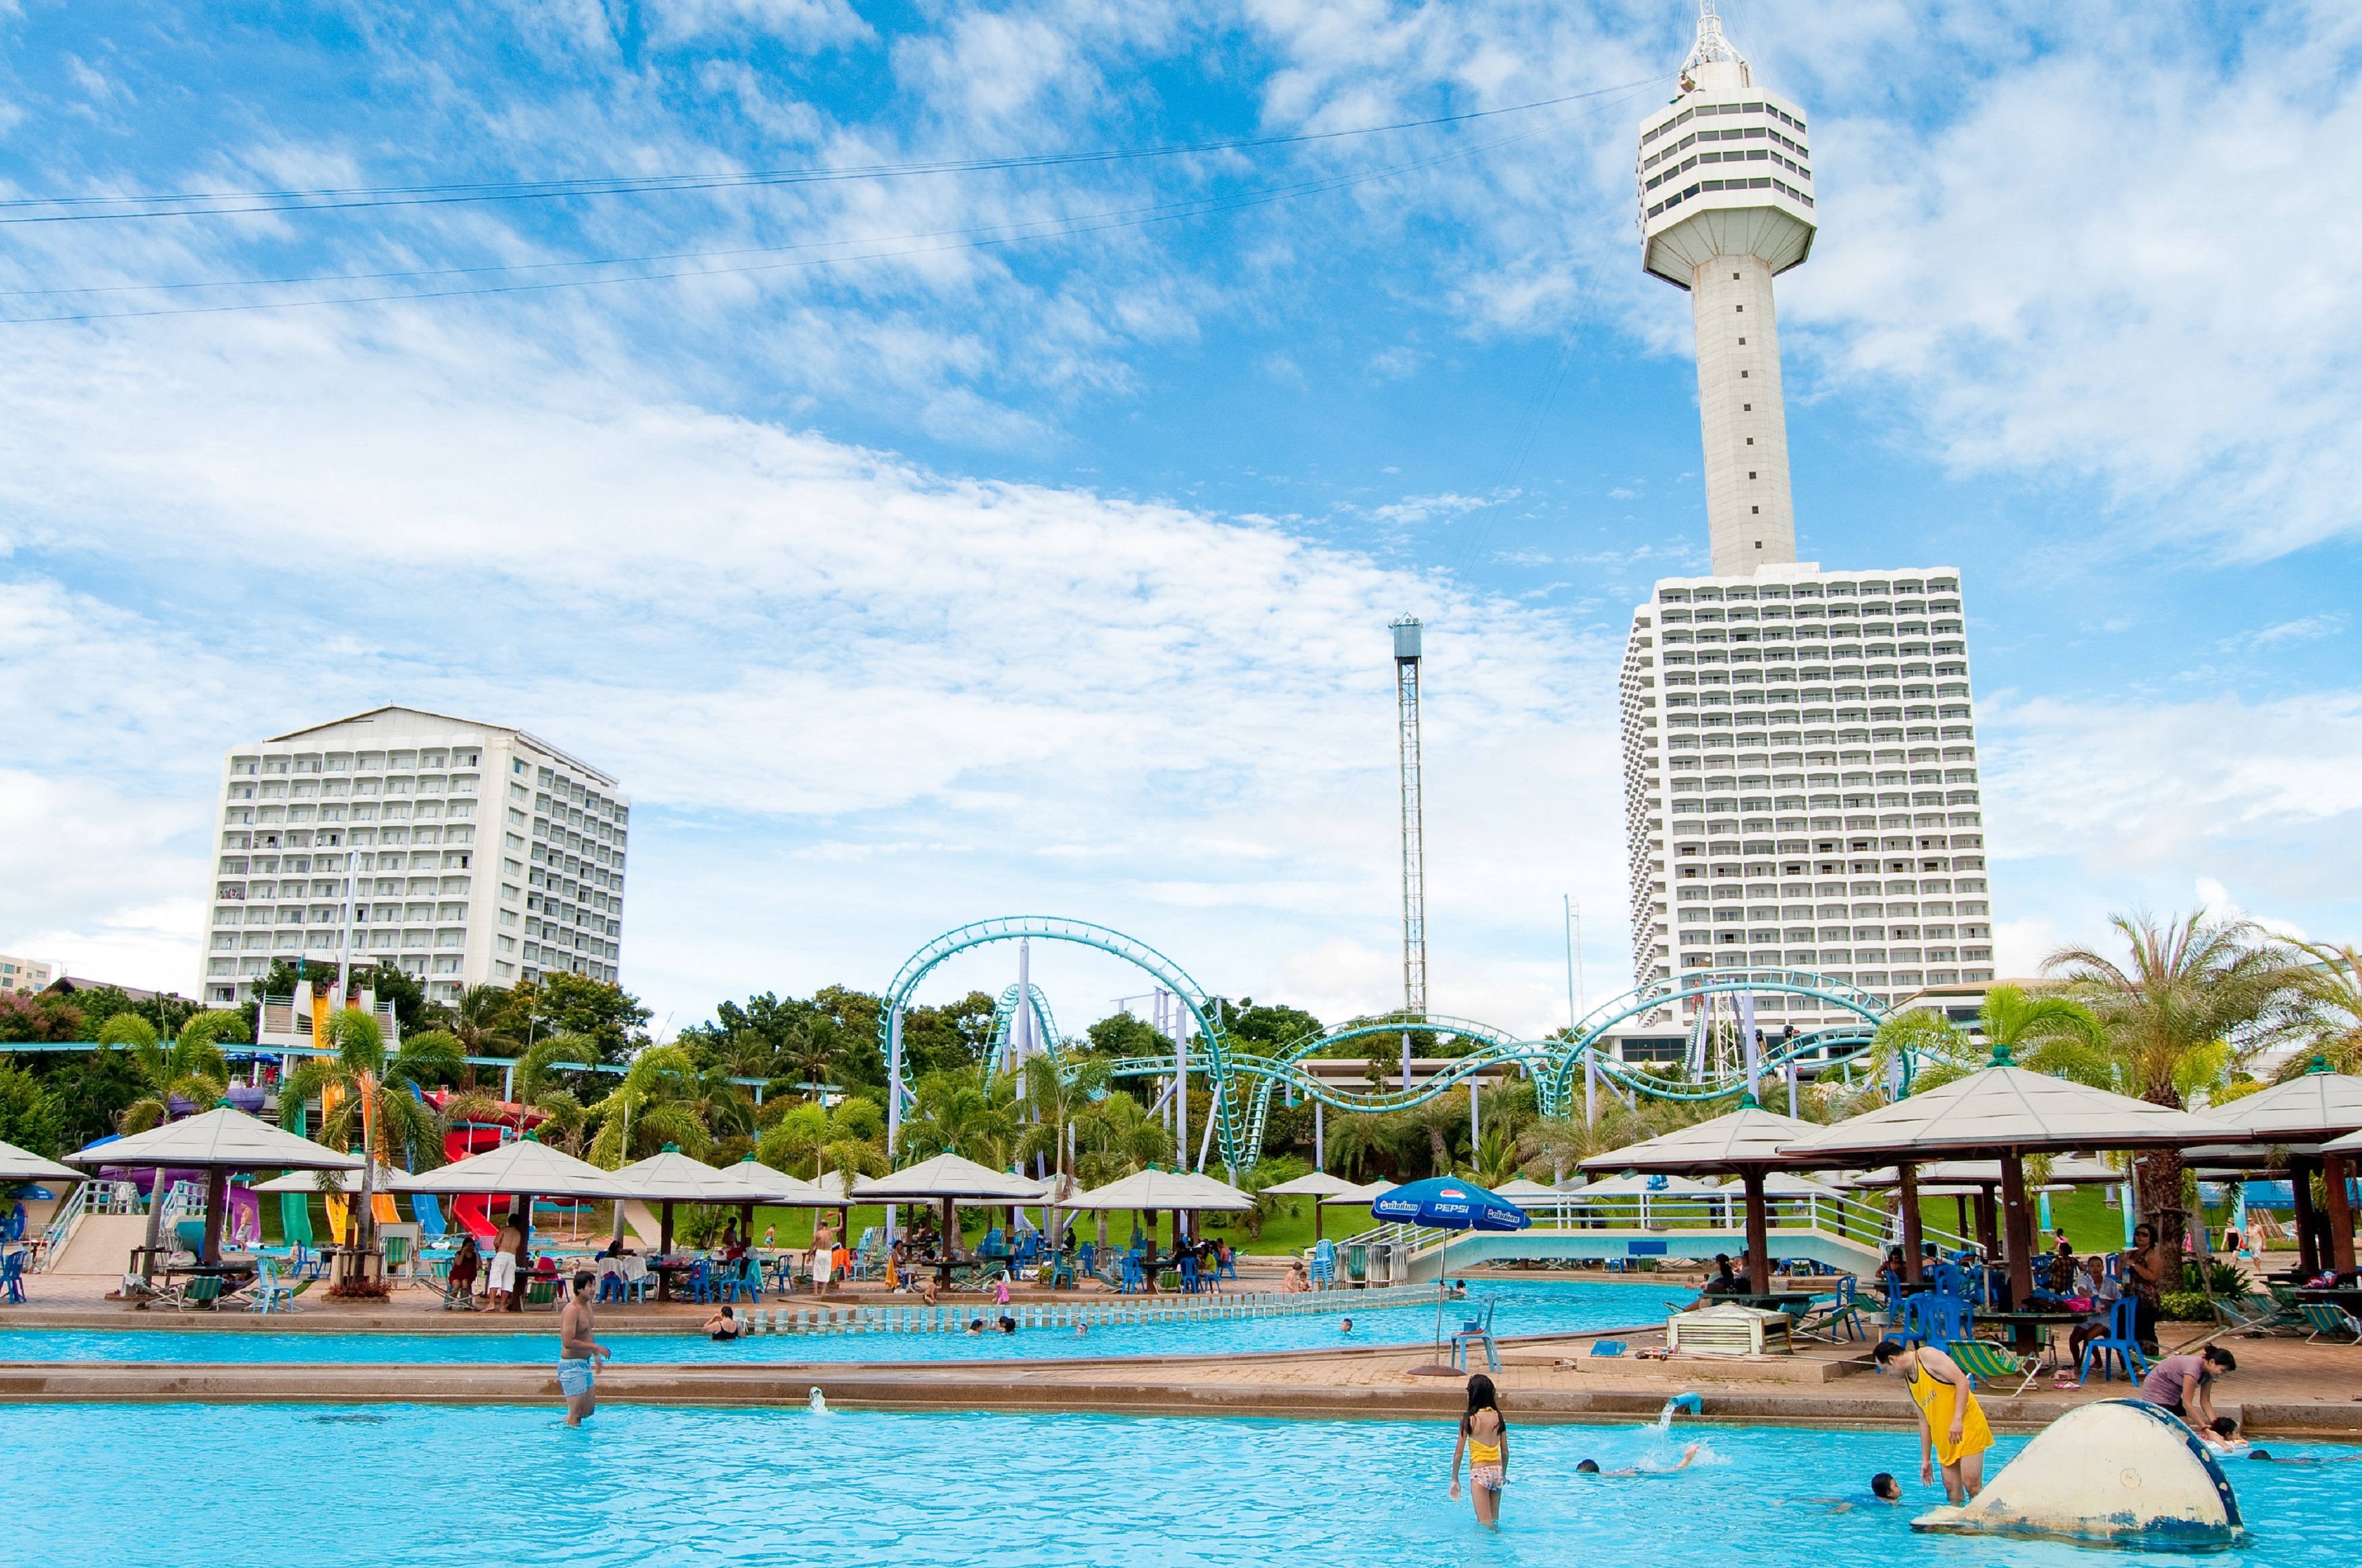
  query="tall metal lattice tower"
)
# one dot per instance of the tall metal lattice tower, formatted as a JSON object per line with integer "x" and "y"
{"x": 1414, "y": 822}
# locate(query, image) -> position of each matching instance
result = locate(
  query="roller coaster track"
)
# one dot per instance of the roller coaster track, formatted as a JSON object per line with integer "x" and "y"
{"x": 1243, "y": 1081}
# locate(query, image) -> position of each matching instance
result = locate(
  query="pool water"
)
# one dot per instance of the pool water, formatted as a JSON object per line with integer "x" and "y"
{"x": 400, "y": 1485}
{"x": 1536, "y": 1307}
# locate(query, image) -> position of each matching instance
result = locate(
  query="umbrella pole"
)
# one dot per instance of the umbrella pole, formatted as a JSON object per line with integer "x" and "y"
{"x": 2018, "y": 1234}
{"x": 1906, "y": 1185}
{"x": 216, "y": 1194}
{"x": 521, "y": 1204}
{"x": 1759, "y": 1240}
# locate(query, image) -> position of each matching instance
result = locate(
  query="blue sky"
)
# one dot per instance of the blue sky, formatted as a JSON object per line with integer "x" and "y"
{"x": 1022, "y": 539}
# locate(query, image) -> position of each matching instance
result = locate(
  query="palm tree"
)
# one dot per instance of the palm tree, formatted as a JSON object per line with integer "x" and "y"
{"x": 812, "y": 1053}
{"x": 2195, "y": 997}
{"x": 2335, "y": 985}
{"x": 190, "y": 1068}
{"x": 1355, "y": 1137}
{"x": 970, "y": 1111}
{"x": 375, "y": 1107}
{"x": 1115, "y": 1136}
{"x": 1052, "y": 1100}
{"x": 655, "y": 1105}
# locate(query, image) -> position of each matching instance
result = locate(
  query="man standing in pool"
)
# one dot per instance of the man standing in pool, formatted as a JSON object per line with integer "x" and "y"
{"x": 577, "y": 1370}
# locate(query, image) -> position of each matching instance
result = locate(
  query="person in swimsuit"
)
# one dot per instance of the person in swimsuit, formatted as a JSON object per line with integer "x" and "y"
{"x": 1952, "y": 1429}
{"x": 724, "y": 1324}
{"x": 1485, "y": 1439}
{"x": 1591, "y": 1466}
{"x": 579, "y": 1354}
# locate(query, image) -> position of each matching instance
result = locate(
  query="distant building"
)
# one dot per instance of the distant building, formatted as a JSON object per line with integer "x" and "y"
{"x": 25, "y": 974}
{"x": 465, "y": 853}
{"x": 1801, "y": 778}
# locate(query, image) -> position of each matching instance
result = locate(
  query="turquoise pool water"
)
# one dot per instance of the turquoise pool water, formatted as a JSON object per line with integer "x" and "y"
{"x": 402, "y": 1486}
{"x": 1536, "y": 1307}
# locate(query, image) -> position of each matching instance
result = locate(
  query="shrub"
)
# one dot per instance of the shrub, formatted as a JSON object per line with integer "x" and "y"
{"x": 2186, "y": 1306}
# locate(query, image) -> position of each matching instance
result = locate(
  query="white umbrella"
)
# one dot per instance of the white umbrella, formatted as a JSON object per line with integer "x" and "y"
{"x": 776, "y": 1187}
{"x": 217, "y": 1141}
{"x": 22, "y": 1164}
{"x": 1360, "y": 1197}
{"x": 2308, "y": 1109}
{"x": 1525, "y": 1194}
{"x": 222, "y": 1139}
{"x": 1154, "y": 1189}
{"x": 951, "y": 1176}
{"x": 1318, "y": 1184}
{"x": 526, "y": 1168}
{"x": 669, "y": 1177}
{"x": 338, "y": 1181}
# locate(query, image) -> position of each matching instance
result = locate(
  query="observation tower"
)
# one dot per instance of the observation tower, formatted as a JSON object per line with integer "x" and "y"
{"x": 1726, "y": 180}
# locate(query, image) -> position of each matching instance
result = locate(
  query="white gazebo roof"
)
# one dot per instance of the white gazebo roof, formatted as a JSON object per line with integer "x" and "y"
{"x": 1355, "y": 1196}
{"x": 1525, "y": 1194}
{"x": 1318, "y": 1184}
{"x": 2306, "y": 1110}
{"x": 775, "y": 1187}
{"x": 2006, "y": 1107}
{"x": 221, "y": 1139}
{"x": 1748, "y": 1136}
{"x": 949, "y": 1175}
{"x": 1163, "y": 1189}
{"x": 22, "y": 1164}
{"x": 339, "y": 1181}
{"x": 1972, "y": 1176}
{"x": 2346, "y": 1148}
{"x": 671, "y": 1176}
{"x": 1639, "y": 1186}
{"x": 525, "y": 1167}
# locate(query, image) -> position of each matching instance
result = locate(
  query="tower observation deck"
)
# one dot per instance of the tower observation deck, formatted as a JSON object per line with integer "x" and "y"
{"x": 1725, "y": 182}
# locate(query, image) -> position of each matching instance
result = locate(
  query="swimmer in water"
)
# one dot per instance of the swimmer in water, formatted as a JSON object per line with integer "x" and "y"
{"x": 1883, "y": 1487}
{"x": 1346, "y": 1326}
{"x": 1591, "y": 1466}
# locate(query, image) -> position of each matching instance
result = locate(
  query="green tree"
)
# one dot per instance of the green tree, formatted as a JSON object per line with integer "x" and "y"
{"x": 2332, "y": 1027}
{"x": 969, "y": 1111}
{"x": 1051, "y": 1100}
{"x": 376, "y": 1114}
{"x": 92, "y": 1090}
{"x": 30, "y": 1116}
{"x": 2191, "y": 999}
{"x": 611, "y": 1018}
{"x": 655, "y": 1105}
{"x": 1121, "y": 1034}
{"x": 190, "y": 1069}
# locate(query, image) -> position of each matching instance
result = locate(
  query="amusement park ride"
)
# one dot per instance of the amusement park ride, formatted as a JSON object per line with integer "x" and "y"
{"x": 1243, "y": 1081}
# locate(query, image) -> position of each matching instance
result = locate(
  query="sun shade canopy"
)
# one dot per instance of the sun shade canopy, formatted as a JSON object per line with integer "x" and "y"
{"x": 1750, "y": 1136}
{"x": 527, "y": 1166}
{"x": 1163, "y": 1189}
{"x": 2006, "y": 1107}
{"x": 222, "y": 1139}
{"x": 950, "y": 1175}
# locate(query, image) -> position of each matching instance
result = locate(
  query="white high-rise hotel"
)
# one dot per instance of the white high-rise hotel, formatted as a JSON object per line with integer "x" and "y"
{"x": 1800, "y": 758}
{"x": 465, "y": 853}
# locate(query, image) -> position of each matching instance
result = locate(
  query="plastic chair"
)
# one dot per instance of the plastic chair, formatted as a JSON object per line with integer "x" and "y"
{"x": 1087, "y": 1256}
{"x": 1835, "y": 1315}
{"x": 1229, "y": 1267}
{"x": 1324, "y": 1264}
{"x": 267, "y": 1294}
{"x": 747, "y": 1277}
{"x": 12, "y": 1278}
{"x": 201, "y": 1292}
{"x": 2120, "y": 1342}
{"x": 541, "y": 1295}
{"x": 1476, "y": 1330}
{"x": 701, "y": 1286}
{"x": 1133, "y": 1279}
{"x": 1190, "y": 1282}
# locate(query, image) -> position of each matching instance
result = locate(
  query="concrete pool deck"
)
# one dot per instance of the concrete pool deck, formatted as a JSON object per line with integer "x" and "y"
{"x": 2283, "y": 1386}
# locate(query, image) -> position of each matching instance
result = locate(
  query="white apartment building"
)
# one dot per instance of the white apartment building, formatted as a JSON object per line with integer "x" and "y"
{"x": 25, "y": 974}
{"x": 466, "y": 853}
{"x": 1800, "y": 756}
{"x": 1800, "y": 783}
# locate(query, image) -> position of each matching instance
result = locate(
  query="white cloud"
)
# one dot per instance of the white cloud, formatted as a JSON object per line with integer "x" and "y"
{"x": 812, "y": 24}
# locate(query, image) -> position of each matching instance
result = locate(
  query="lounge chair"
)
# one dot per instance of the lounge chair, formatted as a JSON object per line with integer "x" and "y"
{"x": 2328, "y": 1317}
{"x": 2261, "y": 1313}
{"x": 1981, "y": 1358}
{"x": 541, "y": 1294}
{"x": 200, "y": 1294}
{"x": 1476, "y": 1330}
{"x": 2120, "y": 1342}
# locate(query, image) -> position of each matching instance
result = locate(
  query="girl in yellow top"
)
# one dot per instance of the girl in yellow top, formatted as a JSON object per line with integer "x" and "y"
{"x": 1485, "y": 1439}
{"x": 1952, "y": 1430}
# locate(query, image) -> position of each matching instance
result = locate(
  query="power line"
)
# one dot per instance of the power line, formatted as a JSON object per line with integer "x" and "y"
{"x": 214, "y": 203}
{"x": 898, "y": 247}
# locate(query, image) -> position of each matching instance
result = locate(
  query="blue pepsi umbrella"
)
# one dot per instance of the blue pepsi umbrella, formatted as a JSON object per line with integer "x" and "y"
{"x": 1448, "y": 1203}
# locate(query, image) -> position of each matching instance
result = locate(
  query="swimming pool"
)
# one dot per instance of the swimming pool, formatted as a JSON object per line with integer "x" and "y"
{"x": 1524, "y": 1307}
{"x": 400, "y": 1485}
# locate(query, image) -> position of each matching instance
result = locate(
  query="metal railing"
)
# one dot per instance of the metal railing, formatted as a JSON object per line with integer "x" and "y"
{"x": 1864, "y": 1225}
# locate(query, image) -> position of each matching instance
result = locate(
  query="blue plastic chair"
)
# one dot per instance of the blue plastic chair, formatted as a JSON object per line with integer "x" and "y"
{"x": 700, "y": 1282}
{"x": 12, "y": 1278}
{"x": 2122, "y": 1340}
{"x": 1476, "y": 1330}
{"x": 1229, "y": 1267}
{"x": 12, "y": 1228}
{"x": 1190, "y": 1282}
{"x": 747, "y": 1277}
{"x": 1087, "y": 1255}
{"x": 1133, "y": 1279}
{"x": 268, "y": 1294}
{"x": 610, "y": 1288}
{"x": 1324, "y": 1264}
